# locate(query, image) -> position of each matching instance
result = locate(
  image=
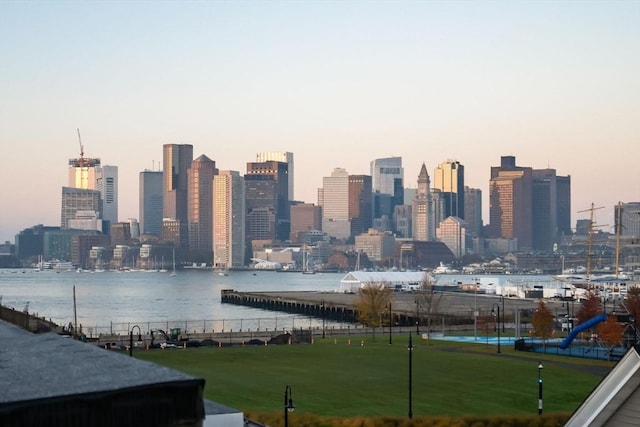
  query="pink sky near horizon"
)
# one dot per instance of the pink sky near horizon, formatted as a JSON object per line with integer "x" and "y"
{"x": 337, "y": 83}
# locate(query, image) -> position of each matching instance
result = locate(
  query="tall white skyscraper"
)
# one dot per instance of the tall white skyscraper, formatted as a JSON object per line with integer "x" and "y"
{"x": 228, "y": 220}
{"x": 385, "y": 174}
{"x": 280, "y": 156}
{"x": 89, "y": 174}
{"x": 107, "y": 185}
{"x": 335, "y": 204}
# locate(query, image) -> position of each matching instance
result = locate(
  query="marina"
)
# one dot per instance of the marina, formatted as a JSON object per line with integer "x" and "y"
{"x": 113, "y": 301}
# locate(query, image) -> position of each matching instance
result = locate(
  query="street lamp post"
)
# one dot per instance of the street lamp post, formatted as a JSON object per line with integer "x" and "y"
{"x": 540, "y": 388}
{"x": 417, "y": 317}
{"x": 323, "y": 312}
{"x": 288, "y": 404}
{"x": 496, "y": 313}
{"x": 410, "y": 348}
{"x": 502, "y": 300}
{"x": 131, "y": 338}
{"x": 390, "y": 322}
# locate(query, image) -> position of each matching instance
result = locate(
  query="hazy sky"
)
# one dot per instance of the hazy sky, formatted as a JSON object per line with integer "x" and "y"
{"x": 556, "y": 84}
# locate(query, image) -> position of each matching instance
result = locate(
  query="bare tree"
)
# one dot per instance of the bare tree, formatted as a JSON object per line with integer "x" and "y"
{"x": 427, "y": 302}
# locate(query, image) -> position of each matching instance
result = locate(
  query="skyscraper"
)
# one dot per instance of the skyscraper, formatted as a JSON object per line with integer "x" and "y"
{"x": 387, "y": 183}
{"x": 200, "y": 203}
{"x": 551, "y": 208}
{"x": 177, "y": 160}
{"x": 78, "y": 199}
{"x": 89, "y": 174}
{"x": 627, "y": 220}
{"x": 360, "y": 209}
{"x": 449, "y": 179}
{"x": 107, "y": 185}
{"x": 423, "y": 208}
{"x": 280, "y": 156}
{"x": 228, "y": 220}
{"x": 473, "y": 210}
{"x": 305, "y": 217}
{"x": 335, "y": 204}
{"x": 267, "y": 201}
{"x": 510, "y": 199}
{"x": 151, "y": 202}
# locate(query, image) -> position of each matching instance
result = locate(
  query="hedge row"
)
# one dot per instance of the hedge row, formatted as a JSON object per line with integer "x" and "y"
{"x": 310, "y": 420}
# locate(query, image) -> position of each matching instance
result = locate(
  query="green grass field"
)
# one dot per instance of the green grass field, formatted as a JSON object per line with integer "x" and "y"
{"x": 449, "y": 379}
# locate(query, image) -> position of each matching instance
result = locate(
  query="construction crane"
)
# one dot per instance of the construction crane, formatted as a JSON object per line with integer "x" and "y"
{"x": 81, "y": 149}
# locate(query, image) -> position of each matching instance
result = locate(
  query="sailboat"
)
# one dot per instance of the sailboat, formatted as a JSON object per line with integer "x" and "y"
{"x": 162, "y": 269}
{"x": 173, "y": 273}
{"x": 305, "y": 262}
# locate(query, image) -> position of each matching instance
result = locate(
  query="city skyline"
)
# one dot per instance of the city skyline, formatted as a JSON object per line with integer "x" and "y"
{"x": 337, "y": 84}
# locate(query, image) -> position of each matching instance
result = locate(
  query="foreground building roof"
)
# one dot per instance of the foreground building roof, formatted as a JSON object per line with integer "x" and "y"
{"x": 50, "y": 380}
{"x": 615, "y": 401}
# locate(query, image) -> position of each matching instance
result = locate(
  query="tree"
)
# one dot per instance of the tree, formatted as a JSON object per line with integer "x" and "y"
{"x": 427, "y": 301}
{"x": 372, "y": 300}
{"x": 632, "y": 304}
{"x": 542, "y": 322}
{"x": 610, "y": 333}
{"x": 590, "y": 308}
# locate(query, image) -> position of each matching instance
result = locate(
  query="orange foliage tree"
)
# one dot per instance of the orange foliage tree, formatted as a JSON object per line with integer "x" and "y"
{"x": 590, "y": 308}
{"x": 542, "y": 321}
{"x": 610, "y": 333}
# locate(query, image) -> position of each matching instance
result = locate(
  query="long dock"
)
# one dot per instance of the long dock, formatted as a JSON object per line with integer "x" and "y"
{"x": 331, "y": 306}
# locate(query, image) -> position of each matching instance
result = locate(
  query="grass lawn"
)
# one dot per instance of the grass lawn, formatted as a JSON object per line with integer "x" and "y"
{"x": 452, "y": 379}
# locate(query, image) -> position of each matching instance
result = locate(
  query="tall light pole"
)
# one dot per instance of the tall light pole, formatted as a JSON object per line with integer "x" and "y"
{"x": 131, "y": 338}
{"x": 410, "y": 348}
{"x": 540, "y": 388}
{"x": 390, "y": 322}
{"x": 502, "y": 300}
{"x": 288, "y": 404}
{"x": 496, "y": 313}
{"x": 323, "y": 312}
{"x": 417, "y": 316}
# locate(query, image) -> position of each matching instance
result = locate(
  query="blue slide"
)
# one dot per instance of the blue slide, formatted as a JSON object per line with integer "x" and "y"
{"x": 581, "y": 327}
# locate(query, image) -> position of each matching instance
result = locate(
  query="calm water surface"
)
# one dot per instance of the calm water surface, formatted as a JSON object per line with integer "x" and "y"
{"x": 141, "y": 297}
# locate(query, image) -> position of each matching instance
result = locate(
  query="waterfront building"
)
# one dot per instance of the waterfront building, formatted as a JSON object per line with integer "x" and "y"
{"x": 335, "y": 204}
{"x": 78, "y": 199}
{"x": 229, "y": 209}
{"x": 448, "y": 177}
{"x": 473, "y": 210}
{"x": 267, "y": 192}
{"x": 86, "y": 220}
{"x": 200, "y": 204}
{"x": 81, "y": 245}
{"x": 177, "y": 160}
{"x": 360, "y": 207}
{"x": 150, "y": 207}
{"x": 30, "y": 242}
{"x": 305, "y": 217}
{"x": 176, "y": 232}
{"x": 453, "y": 233}
{"x": 280, "y": 156}
{"x": 510, "y": 199}
{"x": 378, "y": 245}
{"x": 120, "y": 233}
{"x": 59, "y": 245}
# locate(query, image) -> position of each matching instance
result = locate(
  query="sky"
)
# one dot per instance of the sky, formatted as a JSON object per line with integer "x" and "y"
{"x": 338, "y": 83}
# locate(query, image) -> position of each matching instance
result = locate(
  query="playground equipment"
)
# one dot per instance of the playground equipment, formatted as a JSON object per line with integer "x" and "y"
{"x": 581, "y": 327}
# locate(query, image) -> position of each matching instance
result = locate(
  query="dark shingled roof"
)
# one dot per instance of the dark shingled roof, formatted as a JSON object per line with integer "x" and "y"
{"x": 48, "y": 379}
